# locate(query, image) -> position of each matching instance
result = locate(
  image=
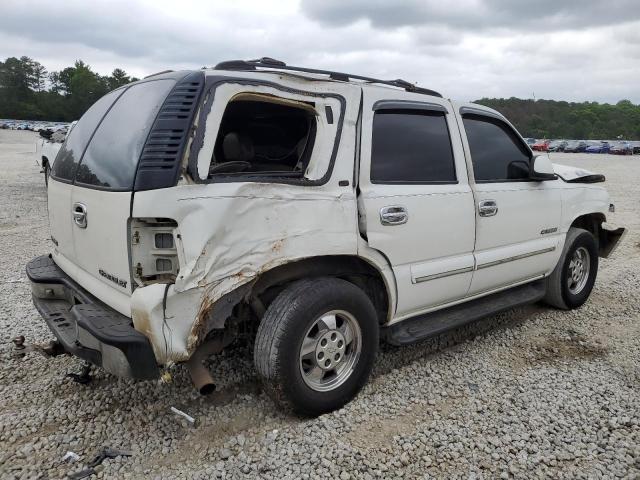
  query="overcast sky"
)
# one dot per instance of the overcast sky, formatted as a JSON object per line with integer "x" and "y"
{"x": 467, "y": 49}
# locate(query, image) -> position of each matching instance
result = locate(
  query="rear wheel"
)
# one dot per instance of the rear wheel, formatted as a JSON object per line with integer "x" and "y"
{"x": 571, "y": 282}
{"x": 316, "y": 345}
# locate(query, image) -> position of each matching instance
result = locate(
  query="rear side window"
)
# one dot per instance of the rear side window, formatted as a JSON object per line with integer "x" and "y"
{"x": 64, "y": 167}
{"x": 497, "y": 153}
{"x": 113, "y": 154}
{"x": 411, "y": 146}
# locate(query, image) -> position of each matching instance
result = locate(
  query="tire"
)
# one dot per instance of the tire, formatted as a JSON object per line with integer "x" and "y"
{"x": 290, "y": 322}
{"x": 568, "y": 293}
{"x": 45, "y": 167}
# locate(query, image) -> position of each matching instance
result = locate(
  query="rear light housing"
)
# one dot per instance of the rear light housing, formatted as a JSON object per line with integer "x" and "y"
{"x": 154, "y": 257}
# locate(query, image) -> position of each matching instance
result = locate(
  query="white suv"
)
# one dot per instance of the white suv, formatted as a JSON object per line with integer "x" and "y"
{"x": 312, "y": 211}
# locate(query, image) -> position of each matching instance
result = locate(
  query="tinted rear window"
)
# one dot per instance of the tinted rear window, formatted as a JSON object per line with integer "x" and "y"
{"x": 411, "y": 146}
{"x": 113, "y": 154}
{"x": 64, "y": 167}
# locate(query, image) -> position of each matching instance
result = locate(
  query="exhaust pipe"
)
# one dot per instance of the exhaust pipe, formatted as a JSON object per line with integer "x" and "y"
{"x": 200, "y": 376}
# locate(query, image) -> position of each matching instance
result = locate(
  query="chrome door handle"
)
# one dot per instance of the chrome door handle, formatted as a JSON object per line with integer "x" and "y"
{"x": 393, "y": 215}
{"x": 79, "y": 213}
{"x": 487, "y": 208}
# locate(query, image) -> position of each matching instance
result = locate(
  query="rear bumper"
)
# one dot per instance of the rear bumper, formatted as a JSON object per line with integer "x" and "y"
{"x": 87, "y": 328}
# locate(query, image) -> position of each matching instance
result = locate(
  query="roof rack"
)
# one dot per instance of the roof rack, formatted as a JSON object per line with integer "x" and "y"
{"x": 267, "y": 62}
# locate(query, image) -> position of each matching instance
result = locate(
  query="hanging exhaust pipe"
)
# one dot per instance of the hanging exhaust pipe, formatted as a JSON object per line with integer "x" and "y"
{"x": 200, "y": 376}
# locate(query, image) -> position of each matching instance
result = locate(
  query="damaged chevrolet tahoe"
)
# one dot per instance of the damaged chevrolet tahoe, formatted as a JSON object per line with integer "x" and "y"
{"x": 312, "y": 212}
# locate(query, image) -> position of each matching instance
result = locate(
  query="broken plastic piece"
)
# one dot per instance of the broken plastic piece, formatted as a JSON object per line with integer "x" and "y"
{"x": 83, "y": 377}
{"x": 188, "y": 417}
{"x": 71, "y": 457}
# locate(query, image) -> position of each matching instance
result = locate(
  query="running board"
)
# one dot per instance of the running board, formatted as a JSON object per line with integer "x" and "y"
{"x": 432, "y": 323}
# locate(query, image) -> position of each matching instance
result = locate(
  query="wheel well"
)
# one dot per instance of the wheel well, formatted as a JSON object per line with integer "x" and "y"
{"x": 350, "y": 268}
{"x": 241, "y": 310}
{"x": 592, "y": 222}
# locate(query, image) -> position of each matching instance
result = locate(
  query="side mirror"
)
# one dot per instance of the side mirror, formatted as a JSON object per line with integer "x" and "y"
{"x": 541, "y": 169}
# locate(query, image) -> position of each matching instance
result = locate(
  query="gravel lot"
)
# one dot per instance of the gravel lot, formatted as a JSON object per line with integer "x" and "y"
{"x": 533, "y": 392}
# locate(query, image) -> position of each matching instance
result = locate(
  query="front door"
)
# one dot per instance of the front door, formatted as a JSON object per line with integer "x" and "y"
{"x": 415, "y": 202}
{"x": 517, "y": 219}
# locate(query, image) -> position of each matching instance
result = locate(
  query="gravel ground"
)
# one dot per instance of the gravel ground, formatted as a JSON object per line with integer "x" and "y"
{"x": 533, "y": 392}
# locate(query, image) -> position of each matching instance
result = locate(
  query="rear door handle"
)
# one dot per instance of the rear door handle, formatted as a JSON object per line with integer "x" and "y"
{"x": 393, "y": 215}
{"x": 487, "y": 208}
{"x": 79, "y": 213}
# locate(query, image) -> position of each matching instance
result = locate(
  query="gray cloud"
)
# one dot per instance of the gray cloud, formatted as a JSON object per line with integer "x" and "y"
{"x": 579, "y": 50}
{"x": 474, "y": 14}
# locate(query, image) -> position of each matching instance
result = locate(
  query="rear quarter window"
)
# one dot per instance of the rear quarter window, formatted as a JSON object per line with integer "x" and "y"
{"x": 66, "y": 163}
{"x": 112, "y": 156}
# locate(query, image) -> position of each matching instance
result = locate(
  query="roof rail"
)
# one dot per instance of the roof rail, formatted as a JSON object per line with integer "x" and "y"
{"x": 267, "y": 62}
{"x": 158, "y": 73}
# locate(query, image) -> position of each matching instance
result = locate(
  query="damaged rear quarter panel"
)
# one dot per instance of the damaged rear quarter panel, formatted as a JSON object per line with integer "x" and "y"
{"x": 230, "y": 233}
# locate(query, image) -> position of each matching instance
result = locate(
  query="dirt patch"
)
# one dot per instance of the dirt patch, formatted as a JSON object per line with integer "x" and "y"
{"x": 378, "y": 434}
{"x": 571, "y": 347}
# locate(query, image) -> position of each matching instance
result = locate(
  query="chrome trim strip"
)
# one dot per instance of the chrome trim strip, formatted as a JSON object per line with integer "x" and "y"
{"x": 516, "y": 257}
{"x": 426, "y": 278}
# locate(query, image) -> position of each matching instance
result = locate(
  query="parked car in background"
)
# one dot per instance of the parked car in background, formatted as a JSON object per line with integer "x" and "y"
{"x": 575, "y": 146}
{"x": 600, "y": 147}
{"x": 557, "y": 146}
{"x": 541, "y": 146}
{"x": 52, "y": 140}
{"x": 530, "y": 141}
{"x": 635, "y": 148}
{"x": 622, "y": 148}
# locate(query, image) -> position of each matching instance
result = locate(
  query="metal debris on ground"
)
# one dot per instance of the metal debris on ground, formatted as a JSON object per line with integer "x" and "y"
{"x": 103, "y": 454}
{"x": 188, "y": 417}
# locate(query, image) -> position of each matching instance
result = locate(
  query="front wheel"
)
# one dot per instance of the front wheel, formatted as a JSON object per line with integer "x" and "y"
{"x": 45, "y": 169}
{"x": 571, "y": 282}
{"x": 316, "y": 345}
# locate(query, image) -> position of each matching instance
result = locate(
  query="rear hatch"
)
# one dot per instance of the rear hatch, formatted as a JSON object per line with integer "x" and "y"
{"x": 91, "y": 189}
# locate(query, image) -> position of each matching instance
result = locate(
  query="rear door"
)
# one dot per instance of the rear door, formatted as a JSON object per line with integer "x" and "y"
{"x": 95, "y": 221}
{"x": 63, "y": 174}
{"x": 417, "y": 203}
{"x": 104, "y": 182}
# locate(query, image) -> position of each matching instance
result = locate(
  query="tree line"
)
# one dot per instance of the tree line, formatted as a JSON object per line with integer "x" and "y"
{"x": 581, "y": 121}
{"x": 29, "y": 92}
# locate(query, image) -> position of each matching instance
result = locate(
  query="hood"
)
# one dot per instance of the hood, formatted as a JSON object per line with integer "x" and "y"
{"x": 576, "y": 174}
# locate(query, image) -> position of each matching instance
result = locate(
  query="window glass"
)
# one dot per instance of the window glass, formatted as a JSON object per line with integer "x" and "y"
{"x": 496, "y": 152}
{"x": 64, "y": 167}
{"x": 113, "y": 154}
{"x": 411, "y": 146}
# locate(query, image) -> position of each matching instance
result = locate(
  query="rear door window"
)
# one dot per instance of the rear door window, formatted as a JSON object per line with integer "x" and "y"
{"x": 64, "y": 167}
{"x": 111, "y": 160}
{"x": 411, "y": 146}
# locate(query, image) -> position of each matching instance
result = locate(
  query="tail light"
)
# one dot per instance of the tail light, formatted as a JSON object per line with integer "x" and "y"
{"x": 154, "y": 257}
